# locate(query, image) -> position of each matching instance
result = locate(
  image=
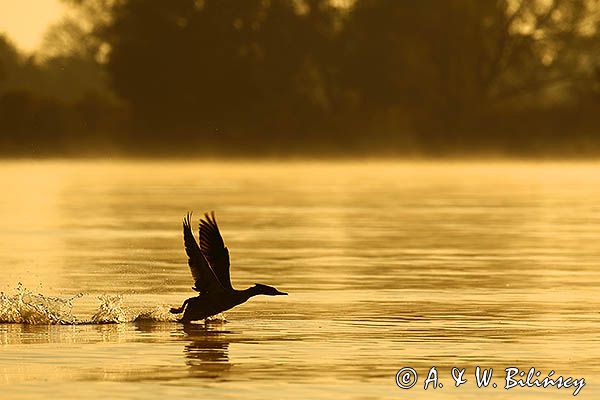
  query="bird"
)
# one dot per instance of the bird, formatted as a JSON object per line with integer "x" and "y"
{"x": 210, "y": 265}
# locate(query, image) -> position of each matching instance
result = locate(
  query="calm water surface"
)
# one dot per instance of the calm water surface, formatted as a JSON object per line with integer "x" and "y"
{"x": 387, "y": 265}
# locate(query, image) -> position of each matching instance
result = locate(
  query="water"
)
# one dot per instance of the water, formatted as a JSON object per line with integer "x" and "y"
{"x": 387, "y": 264}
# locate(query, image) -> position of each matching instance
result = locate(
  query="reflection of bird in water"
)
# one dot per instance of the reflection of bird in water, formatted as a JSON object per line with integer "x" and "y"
{"x": 207, "y": 351}
{"x": 206, "y": 345}
{"x": 209, "y": 264}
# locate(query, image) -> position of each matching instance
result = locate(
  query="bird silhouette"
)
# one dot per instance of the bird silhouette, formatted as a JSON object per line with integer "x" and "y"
{"x": 209, "y": 264}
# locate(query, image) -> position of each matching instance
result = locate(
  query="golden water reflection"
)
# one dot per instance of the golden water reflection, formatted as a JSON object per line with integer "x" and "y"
{"x": 387, "y": 265}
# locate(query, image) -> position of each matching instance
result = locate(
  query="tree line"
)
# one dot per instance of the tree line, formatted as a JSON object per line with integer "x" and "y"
{"x": 272, "y": 77}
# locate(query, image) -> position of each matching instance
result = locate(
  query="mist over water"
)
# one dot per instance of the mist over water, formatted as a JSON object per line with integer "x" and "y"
{"x": 387, "y": 264}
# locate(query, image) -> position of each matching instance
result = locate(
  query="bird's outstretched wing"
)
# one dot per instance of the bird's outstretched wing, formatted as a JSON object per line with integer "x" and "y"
{"x": 204, "y": 276}
{"x": 213, "y": 248}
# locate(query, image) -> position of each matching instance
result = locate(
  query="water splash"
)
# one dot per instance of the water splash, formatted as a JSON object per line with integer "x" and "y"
{"x": 26, "y": 307}
{"x": 216, "y": 319}
{"x": 157, "y": 314}
{"x": 110, "y": 311}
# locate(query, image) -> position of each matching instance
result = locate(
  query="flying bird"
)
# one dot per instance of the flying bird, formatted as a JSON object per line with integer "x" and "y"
{"x": 209, "y": 264}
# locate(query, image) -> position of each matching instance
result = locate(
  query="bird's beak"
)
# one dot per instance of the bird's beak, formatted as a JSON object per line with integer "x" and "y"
{"x": 280, "y": 293}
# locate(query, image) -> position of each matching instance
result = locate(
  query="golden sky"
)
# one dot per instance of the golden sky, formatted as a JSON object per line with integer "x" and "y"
{"x": 25, "y": 21}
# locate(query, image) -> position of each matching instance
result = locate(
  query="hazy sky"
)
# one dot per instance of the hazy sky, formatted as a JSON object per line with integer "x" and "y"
{"x": 25, "y": 21}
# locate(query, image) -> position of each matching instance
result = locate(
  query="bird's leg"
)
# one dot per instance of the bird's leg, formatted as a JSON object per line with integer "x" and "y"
{"x": 180, "y": 309}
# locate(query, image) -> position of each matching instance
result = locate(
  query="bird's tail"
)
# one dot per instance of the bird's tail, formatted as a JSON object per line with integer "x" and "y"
{"x": 180, "y": 309}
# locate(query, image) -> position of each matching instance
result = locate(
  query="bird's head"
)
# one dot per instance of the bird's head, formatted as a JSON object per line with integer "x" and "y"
{"x": 267, "y": 290}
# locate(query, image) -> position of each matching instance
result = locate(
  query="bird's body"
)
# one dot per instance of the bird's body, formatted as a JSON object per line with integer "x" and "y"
{"x": 209, "y": 264}
{"x": 206, "y": 305}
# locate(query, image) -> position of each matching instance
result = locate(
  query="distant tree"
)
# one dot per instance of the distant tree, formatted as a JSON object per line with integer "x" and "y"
{"x": 449, "y": 63}
{"x": 8, "y": 59}
{"x": 369, "y": 75}
{"x": 220, "y": 70}
{"x": 53, "y": 103}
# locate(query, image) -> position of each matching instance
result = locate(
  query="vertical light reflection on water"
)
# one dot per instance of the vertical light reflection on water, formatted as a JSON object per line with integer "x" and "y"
{"x": 31, "y": 245}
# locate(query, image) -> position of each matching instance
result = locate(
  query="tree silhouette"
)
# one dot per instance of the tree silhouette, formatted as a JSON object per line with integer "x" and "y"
{"x": 307, "y": 76}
